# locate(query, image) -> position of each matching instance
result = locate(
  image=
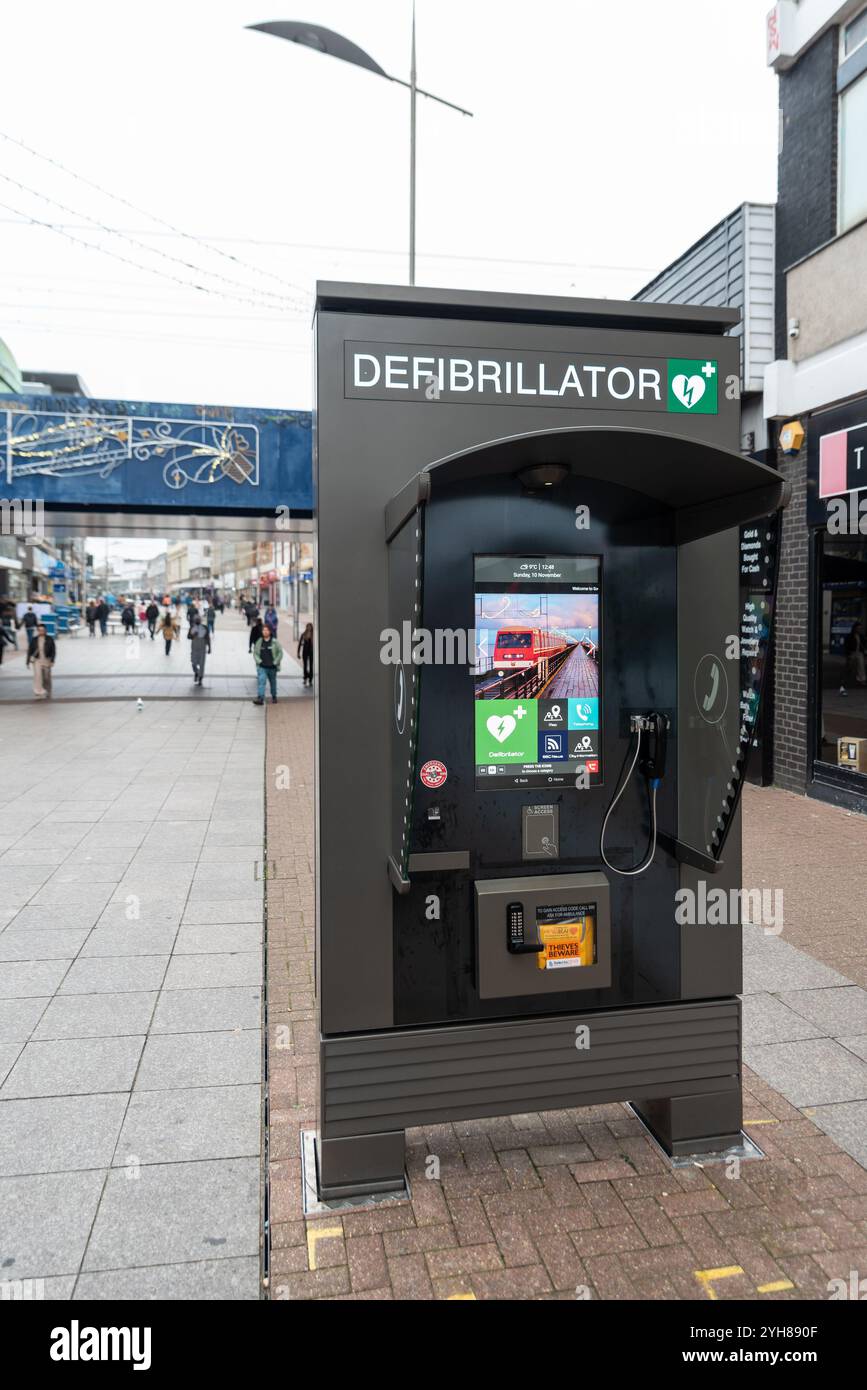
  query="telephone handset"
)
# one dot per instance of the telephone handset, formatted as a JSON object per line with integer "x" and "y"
{"x": 710, "y": 699}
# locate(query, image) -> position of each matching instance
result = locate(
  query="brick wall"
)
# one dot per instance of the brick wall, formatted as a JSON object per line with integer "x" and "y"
{"x": 807, "y": 165}
{"x": 791, "y": 740}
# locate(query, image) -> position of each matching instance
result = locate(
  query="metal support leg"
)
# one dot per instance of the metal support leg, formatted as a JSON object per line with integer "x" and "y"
{"x": 685, "y": 1125}
{"x": 361, "y": 1165}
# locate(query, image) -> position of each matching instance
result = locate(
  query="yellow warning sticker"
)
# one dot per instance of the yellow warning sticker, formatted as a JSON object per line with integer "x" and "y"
{"x": 568, "y": 939}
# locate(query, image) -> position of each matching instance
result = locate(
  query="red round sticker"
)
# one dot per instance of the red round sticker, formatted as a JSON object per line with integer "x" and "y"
{"x": 433, "y": 773}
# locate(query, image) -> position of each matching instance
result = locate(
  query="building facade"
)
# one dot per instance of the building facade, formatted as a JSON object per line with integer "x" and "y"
{"x": 734, "y": 265}
{"x": 815, "y": 397}
{"x": 798, "y": 272}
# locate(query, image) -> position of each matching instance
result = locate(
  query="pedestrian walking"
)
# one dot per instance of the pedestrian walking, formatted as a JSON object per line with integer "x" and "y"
{"x": 255, "y": 634}
{"x": 102, "y": 617}
{"x": 268, "y": 656}
{"x": 271, "y": 618}
{"x": 40, "y": 655}
{"x": 200, "y": 645}
{"x": 168, "y": 630}
{"x": 211, "y": 618}
{"x": 29, "y": 622}
{"x": 6, "y": 638}
{"x": 152, "y": 613}
{"x": 855, "y": 649}
{"x": 305, "y": 651}
{"x": 127, "y": 617}
{"x": 90, "y": 618}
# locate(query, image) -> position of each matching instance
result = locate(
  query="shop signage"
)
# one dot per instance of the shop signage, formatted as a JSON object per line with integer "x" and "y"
{"x": 843, "y": 461}
{"x": 837, "y": 464}
{"x": 588, "y": 381}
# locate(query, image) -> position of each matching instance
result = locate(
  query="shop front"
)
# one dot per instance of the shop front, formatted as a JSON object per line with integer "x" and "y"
{"x": 837, "y": 519}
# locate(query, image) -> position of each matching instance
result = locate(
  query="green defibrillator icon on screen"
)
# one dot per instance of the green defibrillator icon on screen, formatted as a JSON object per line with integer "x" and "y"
{"x": 692, "y": 386}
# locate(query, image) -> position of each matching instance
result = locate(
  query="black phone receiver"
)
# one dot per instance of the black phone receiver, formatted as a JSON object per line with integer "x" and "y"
{"x": 654, "y": 744}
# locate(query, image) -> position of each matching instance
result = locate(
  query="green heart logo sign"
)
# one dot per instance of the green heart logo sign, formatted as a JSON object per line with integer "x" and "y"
{"x": 692, "y": 386}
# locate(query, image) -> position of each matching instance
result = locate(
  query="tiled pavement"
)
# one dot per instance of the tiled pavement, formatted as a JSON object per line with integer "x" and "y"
{"x": 129, "y": 1055}
{"x": 116, "y": 667}
{"x": 130, "y": 999}
{"x": 539, "y": 1206}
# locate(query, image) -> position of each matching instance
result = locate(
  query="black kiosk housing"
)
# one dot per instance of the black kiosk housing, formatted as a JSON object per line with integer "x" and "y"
{"x": 561, "y": 480}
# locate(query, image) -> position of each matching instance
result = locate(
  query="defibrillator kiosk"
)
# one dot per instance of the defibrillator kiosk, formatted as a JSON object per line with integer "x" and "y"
{"x": 531, "y": 718}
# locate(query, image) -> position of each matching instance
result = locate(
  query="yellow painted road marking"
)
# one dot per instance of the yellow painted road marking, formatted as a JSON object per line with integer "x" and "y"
{"x": 452, "y": 1296}
{"x": 776, "y": 1287}
{"x": 761, "y": 1122}
{"x": 706, "y": 1276}
{"x": 315, "y": 1233}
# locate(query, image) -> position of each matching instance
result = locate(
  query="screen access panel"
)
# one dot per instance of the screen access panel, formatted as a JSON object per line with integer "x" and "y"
{"x": 537, "y": 676}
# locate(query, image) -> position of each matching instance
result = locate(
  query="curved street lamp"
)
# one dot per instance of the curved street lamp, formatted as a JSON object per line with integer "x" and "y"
{"x": 337, "y": 46}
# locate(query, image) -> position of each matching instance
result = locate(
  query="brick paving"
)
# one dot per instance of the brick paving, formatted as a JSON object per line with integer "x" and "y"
{"x": 553, "y": 1205}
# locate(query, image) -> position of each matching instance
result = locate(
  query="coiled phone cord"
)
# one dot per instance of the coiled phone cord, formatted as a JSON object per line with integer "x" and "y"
{"x": 652, "y": 789}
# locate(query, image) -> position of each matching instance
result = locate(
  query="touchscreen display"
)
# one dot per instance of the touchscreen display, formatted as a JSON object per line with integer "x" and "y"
{"x": 537, "y": 673}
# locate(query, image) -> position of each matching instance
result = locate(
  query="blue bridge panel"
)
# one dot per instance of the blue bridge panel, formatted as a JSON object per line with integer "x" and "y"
{"x": 77, "y": 452}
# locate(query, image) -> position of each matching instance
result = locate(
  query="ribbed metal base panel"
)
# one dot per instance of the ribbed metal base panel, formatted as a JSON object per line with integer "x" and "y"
{"x": 375, "y": 1083}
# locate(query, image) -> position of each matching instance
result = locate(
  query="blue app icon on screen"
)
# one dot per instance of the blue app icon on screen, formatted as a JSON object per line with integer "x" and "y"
{"x": 552, "y": 747}
{"x": 584, "y": 714}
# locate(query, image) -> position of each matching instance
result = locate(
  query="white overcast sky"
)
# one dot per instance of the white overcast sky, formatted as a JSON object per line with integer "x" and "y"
{"x": 606, "y": 139}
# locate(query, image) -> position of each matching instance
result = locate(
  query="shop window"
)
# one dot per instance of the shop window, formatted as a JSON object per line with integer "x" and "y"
{"x": 854, "y": 34}
{"x": 842, "y": 702}
{"x": 853, "y": 154}
{"x": 852, "y": 84}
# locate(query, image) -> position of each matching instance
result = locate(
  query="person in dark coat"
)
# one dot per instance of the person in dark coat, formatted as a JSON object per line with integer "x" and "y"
{"x": 305, "y": 651}
{"x": 255, "y": 633}
{"x": 200, "y": 645}
{"x": 40, "y": 655}
{"x": 29, "y": 623}
{"x": 5, "y": 639}
{"x": 152, "y": 613}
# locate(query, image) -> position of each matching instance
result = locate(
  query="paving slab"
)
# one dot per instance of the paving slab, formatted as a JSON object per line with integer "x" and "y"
{"x": 847, "y": 1124}
{"x": 214, "y": 970}
{"x": 19, "y": 1017}
{"x": 233, "y": 1279}
{"x": 9, "y": 1054}
{"x": 814, "y": 1071}
{"x": 226, "y": 938}
{"x": 27, "y": 979}
{"x": 47, "y": 1218}
{"x": 212, "y": 1209}
{"x": 207, "y": 1010}
{"x": 775, "y": 967}
{"x": 74, "y": 1066}
{"x": 59, "y": 1133}
{"x": 146, "y": 937}
{"x": 841, "y": 1009}
{"x": 767, "y": 1020}
{"x": 101, "y": 975}
{"x": 35, "y": 944}
{"x": 200, "y": 1059}
{"x": 218, "y": 911}
{"x": 95, "y": 1015}
{"x": 57, "y": 917}
{"x": 202, "y": 1122}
